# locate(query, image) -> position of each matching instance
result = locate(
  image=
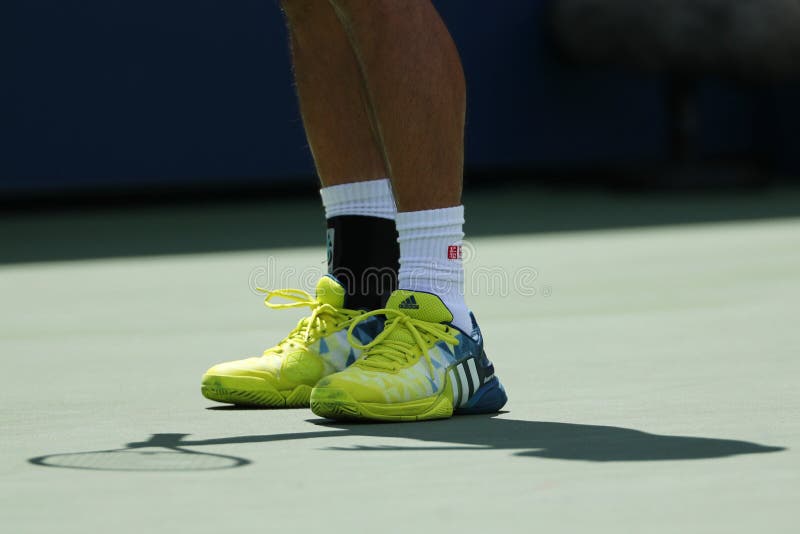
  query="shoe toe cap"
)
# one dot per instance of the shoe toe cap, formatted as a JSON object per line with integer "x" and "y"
{"x": 260, "y": 367}
{"x": 359, "y": 386}
{"x": 283, "y": 371}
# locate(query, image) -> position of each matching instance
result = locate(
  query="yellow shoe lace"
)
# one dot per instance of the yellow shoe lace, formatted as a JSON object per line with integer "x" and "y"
{"x": 391, "y": 352}
{"x": 312, "y": 327}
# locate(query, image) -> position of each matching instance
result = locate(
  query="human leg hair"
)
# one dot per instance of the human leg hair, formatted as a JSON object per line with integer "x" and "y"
{"x": 415, "y": 87}
{"x": 331, "y": 96}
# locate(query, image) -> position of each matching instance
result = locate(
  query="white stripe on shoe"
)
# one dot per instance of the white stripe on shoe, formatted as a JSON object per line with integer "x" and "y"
{"x": 456, "y": 389}
{"x": 476, "y": 379}
{"x": 465, "y": 394}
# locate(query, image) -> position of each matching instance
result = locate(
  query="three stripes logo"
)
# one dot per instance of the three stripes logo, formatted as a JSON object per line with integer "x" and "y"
{"x": 466, "y": 381}
{"x": 410, "y": 303}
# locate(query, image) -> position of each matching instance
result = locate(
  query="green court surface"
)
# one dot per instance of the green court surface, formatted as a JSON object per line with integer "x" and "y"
{"x": 652, "y": 373}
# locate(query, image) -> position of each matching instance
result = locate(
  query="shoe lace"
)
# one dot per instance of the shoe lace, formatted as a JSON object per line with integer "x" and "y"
{"x": 389, "y": 350}
{"x": 315, "y": 325}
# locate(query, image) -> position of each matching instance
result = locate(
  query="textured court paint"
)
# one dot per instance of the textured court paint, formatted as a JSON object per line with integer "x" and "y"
{"x": 672, "y": 331}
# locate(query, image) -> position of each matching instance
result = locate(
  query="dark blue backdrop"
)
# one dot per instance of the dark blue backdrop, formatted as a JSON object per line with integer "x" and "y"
{"x": 105, "y": 93}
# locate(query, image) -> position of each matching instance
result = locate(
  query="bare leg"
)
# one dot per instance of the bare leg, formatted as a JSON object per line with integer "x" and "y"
{"x": 332, "y": 100}
{"x": 416, "y": 91}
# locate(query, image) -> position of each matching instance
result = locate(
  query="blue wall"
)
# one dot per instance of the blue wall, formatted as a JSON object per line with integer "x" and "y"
{"x": 122, "y": 93}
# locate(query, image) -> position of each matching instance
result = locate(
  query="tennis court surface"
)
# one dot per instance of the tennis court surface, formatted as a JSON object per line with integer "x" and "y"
{"x": 652, "y": 373}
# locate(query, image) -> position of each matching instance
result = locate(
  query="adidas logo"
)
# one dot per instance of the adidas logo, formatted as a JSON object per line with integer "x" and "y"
{"x": 409, "y": 304}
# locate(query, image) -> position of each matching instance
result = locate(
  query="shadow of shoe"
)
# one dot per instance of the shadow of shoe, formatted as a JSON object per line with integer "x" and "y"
{"x": 533, "y": 439}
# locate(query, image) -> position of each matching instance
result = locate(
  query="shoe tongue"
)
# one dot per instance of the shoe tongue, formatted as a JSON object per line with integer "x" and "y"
{"x": 330, "y": 291}
{"x": 420, "y": 305}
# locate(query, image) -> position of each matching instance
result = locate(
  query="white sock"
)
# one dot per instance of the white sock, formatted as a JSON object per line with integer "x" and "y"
{"x": 430, "y": 257}
{"x": 369, "y": 199}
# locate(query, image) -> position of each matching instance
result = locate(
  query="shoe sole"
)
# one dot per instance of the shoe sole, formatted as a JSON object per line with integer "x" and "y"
{"x": 333, "y": 403}
{"x": 253, "y": 392}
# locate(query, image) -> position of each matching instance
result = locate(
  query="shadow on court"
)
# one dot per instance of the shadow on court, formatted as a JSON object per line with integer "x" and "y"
{"x": 559, "y": 441}
{"x": 105, "y": 229}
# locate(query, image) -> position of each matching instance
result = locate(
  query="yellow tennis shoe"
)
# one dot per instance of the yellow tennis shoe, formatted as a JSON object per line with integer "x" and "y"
{"x": 318, "y": 346}
{"x": 419, "y": 367}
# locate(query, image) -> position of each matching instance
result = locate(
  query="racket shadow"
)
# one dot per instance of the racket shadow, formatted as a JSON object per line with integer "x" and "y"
{"x": 162, "y": 452}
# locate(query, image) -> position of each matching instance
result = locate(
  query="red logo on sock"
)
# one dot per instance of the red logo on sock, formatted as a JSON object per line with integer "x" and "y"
{"x": 454, "y": 252}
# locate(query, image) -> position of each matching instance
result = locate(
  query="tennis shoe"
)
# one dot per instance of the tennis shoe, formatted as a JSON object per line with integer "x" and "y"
{"x": 419, "y": 367}
{"x": 317, "y": 347}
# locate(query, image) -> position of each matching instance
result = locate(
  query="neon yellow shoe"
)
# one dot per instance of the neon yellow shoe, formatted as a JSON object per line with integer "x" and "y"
{"x": 318, "y": 346}
{"x": 419, "y": 367}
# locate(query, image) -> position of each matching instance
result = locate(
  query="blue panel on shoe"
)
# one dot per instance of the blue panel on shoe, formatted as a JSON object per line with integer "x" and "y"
{"x": 489, "y": 398}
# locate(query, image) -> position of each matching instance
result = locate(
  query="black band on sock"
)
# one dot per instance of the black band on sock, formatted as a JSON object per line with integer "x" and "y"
{"x": 363, "y": 255}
